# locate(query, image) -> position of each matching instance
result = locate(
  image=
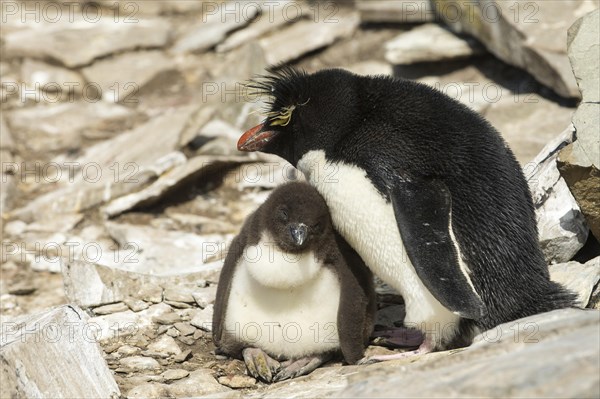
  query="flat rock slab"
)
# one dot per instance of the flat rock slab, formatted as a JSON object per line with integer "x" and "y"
{"x": 554, "y": 354}
{"x": 79, "y": 42}
{"x": 90, "y": 285}
{"x": 579, "y": 278}
{"x": 53, "y": 355}
{"x": 522, "y": 33}
{"x": 305, "y": 36}
{"x": 397, "y": 11}
{"x": 427, "y": 43}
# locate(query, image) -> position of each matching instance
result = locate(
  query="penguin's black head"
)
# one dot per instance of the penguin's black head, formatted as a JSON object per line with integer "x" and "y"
{"x": 296, "y": 216}
{"x": 305, "y": 112}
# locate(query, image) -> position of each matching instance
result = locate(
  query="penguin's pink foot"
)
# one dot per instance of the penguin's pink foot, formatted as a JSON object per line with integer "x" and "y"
{"x": 424, "y": 348}
{"x": 401, "y": 337}
{"x": 260, "y": 365}
{"x": 296, "y": 368}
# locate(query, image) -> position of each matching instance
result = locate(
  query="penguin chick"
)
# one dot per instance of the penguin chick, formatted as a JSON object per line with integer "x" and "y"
{"x": 292, "y": 290}
{"x": 423, "y": 188}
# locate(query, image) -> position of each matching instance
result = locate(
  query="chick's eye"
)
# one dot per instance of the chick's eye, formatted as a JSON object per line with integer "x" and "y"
{"x": 283, "y": 215}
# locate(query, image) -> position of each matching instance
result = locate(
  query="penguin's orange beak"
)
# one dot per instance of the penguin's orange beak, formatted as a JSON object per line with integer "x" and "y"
{"x": 255, "y": 139}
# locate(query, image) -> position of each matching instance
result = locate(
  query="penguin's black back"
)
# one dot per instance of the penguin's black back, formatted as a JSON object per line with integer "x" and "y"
{"x": 409, "y": 130}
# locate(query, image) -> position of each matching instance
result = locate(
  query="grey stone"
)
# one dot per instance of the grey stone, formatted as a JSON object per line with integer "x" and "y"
{"x": 136, "y": 304}
{"x": 167, "y": 318}
{"x": 34, "y": 348}
{"x": 149, "y": 390}
{"x": 128, "y": 350}
{"x": 429, "y": 42}
{"x": 180, "y": 295}
{"x": 205, "y": 296}
{"x": 139, "y": 363}
{"x": 578, "y": 278}
{"x": 522, "y": 34}
{"x": 237, "y": 381}
{"x": 188, "y": 340}
{"x": 579, "y": 163}
{"x": 175, "y": 374}
{"x": 203, "y": 319}
{"x": 183, "y": 356}
{"x": 214, "y": 29}
{"x": 199, "y": 382}
{"x": 185, "y": 328}
{"x": 159, "y": 251}
{"x": 561, "y": 225}
{"x": 135, "y": 71}
{"x": 43, "y": 76}
{"x": 62, "y": 126}
{"x": 171, "y": 332}
{"x": 397, "y": 11}
{"x": 390, "y": 316}
{"x": 194, "y": 169}
{"x": 302, "y": 37}
{"x": 80, "y": 42}
{"x": 91, "y": 285}
{"x": 112, "y": 308}
{"x": 273, "y": 16}
{"x": 165, "y": 346}
{"x": 121, "y": 165}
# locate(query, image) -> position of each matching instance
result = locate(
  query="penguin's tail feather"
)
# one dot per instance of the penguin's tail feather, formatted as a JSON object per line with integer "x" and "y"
{"x": 557, "y": 297}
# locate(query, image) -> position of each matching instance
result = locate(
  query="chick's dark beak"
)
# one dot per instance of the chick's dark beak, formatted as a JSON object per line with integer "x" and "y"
{"x": 255, "y": 139}
{"x": 298, "y": 232}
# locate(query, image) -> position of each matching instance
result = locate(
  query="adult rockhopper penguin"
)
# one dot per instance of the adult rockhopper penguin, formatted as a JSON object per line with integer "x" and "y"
{"x": 424, "y": 189}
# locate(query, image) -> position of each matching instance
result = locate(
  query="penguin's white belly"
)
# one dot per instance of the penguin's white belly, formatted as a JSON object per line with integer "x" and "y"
{"x": 368, "y": 223}
{"x": 297, "y": 319}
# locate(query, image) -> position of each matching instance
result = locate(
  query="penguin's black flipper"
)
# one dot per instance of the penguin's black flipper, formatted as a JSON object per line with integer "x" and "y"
{"x": 423, "y": 214}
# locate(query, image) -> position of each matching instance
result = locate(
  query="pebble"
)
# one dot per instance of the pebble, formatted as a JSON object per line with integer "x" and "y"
{"x": 237, "y": 381}
{"x": 175, "y": 374}
{"x": 187, "y": 340}
{"x": 173, "y": 332}
{"x": 203, "y": 319}
{"x": 177, "y": 295}
{"x": 167, "y": 318}
{"x": 164, "y": 346}
{"x": 185, "y": 328}
{"x": 112, "y": 308}
{"x": 206, "y": 296}
{"x": 178, "y": 305}
{"x": 151, "y": 293}
{"x": 128, "y": 350}
{"x": 198, "y": 334}
{"x": 138, "y": 363}
{"x": 22, "y": 288}
{"x": 183, "y": 356}
{"x": 136, "y": 304}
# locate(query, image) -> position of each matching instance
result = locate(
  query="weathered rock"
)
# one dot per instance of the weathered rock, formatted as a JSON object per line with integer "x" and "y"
{"x": 115, "y": 167}
{"x": 305, "y": 36}
{"x": 184, "y": 328}
{"x": 579, "y": 163}
{"x": 203, "y": 319}
{"x": 62, "y": 126}
{"x": 126, "y": 324}
{"x": 205, "y": 296}
{"x": 112, "y": 308}
{"x": 237, "y": 381}
{"x": 167, "y": 318}
{"x": 53, "y": 354}
{"x": 193, "y": 170}
{"x": 521, "y": 33}
{"x": 199, "y": 382}
{"x": 149, "y": 390}
{"x": 79, "y": 42}
{"x": 429, "y": 42}
{"x": 135, "y": 71}
{"x": 183, "y": 356}
{"x": 43, "y": 76}
{"x": 175, "y": 374}
{"x": 398, "y": 11}
{"x": 178, "y": 295}
{"x": 164, "y": 347}
{"x": 89, "y": 285}
{"x": 136, "y": 304}
{"x": 214, "y": 28}
{"x": 159, "y": 251}
{"x": 273, "y": 15}
{"x": 562, "y": 228}
{"x": 139, "y": 363}
{"x": 372, "y": 67}
{"x": 577, "y": 277}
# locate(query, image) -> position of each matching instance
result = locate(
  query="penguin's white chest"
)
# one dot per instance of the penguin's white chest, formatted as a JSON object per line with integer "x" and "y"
{"x": 285, "y": 304}
{"x": 367, "y": 222}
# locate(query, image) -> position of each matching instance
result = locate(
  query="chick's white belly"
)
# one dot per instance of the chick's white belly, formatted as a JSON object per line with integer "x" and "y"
{"x": 286, "y": 323}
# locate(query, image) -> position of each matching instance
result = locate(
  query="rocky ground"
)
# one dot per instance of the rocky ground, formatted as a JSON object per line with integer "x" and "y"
{"x": 122, "y": 187}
